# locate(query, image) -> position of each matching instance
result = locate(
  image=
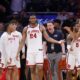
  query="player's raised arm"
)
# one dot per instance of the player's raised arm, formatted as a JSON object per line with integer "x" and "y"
{"x": 22, "y": 42}
{"x": 69, "y": 31}
{"x": 46, "y": 36}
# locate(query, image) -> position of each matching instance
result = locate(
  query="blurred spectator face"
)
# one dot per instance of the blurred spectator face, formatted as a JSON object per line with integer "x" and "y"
{"x": 70, "y": 15}
{"x": 78, "y": 14}
{"x": 56, "y": 25}
{"x": 32, "y": 19}
{"x": 77, "y": 24}
{"x": 1, "y": 26}
{"x": 50, "y": 27}
{"x": 2, "y": 8}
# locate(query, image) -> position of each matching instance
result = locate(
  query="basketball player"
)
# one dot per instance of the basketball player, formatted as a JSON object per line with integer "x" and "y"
{"x": 10, "y": 41}
{"x": 33, "y": 33}
{"x": 1, "y": 55}
{"x": 74, "y": 52}
{"x": 2, "y": 60}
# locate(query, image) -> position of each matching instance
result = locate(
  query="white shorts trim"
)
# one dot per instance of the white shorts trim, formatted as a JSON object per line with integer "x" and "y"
{"x": 13, "y": 62}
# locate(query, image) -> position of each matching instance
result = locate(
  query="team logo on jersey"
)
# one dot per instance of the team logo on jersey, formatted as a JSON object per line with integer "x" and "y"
{"x": 55, "y": 35}
{"x": 15, "y": 35}
{"x": 11, "y": 39}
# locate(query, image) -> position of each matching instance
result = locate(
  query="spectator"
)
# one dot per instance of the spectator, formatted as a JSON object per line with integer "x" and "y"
{"x": 2, "y": 12}
{"x": 54, "y": 50}
{"x": 16, "y": 5}
{"x": 57, "y": 24}
{"x": 62, "y": 16}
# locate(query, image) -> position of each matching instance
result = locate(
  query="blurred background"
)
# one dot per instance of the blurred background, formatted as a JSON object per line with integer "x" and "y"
{"x": 59, "y": 8}
{"x": 64, "y": 11}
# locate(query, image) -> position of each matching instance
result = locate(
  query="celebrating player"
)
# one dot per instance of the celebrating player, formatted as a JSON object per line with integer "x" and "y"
{"x": 10, "y": 41}
{"x": 74, "y": 52}
{"x": 33, "y": 36}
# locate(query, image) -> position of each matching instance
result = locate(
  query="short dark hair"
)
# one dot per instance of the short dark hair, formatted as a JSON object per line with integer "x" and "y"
{"x": 57, "y": 21}
{"x": 10, "y": 22}
{"x": 13, "y": 22}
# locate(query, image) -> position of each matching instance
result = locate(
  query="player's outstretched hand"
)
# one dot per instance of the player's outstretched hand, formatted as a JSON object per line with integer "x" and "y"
{"x": 61, "y": 41}
{"x": 67, "y": 28}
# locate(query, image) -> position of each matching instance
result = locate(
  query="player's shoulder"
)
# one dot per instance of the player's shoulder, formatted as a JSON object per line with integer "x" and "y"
{"x": 25, "y": 29}
{"x": 42, "y": 27}
{"x": 4, "y": 35}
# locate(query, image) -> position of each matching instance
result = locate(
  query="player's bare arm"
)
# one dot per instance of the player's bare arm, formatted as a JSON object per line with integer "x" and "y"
{"x": 69, "y": 31}
{"x": 22, "y": 42}
{"x": 46, "y": 36}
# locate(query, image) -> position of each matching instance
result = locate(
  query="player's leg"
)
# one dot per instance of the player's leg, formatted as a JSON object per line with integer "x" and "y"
{"x": 27, "y": 72}
{"x": 15, "y": 75}
{"x": 70, "y": 66}
{"x": 31, "y": 65}
{"x": 3, "y": 77}
{"x": 16, "y": 68}
{"x": 78, "y": 65}
{"x": 9, "y": 74}
{"x": 33, "y": 72}
{"x": 39, "y": 64}
{"x": 9, "y": 68}
{"x": 71, "y": 75}
{"x": 1, "y": 70}
{"x": 2, "y": 65}
{"x": 40, "y": 71}
{"x": 78, "y": 73}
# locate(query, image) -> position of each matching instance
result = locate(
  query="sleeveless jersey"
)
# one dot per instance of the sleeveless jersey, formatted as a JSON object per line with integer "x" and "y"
{"x": 11, "y": 43}
{"x": 34, "y": 39}
{"x": 75, "y": 45}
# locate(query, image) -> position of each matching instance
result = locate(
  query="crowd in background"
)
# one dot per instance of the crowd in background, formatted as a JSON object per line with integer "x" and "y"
{"x": 67, "y": 12}
{"x": 11, "y": 6}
